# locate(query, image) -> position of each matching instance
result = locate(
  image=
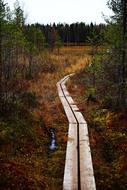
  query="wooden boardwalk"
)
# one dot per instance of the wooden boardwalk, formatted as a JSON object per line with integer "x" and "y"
{"x": 78, "y": 174}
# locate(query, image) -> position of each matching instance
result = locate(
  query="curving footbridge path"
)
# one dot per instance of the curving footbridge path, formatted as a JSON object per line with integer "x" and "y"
{"x": 78, "y": 173}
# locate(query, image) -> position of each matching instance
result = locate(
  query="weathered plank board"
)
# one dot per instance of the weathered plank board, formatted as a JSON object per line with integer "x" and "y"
{"x": 70, "y": 174}
{"x": 86, "y": 167}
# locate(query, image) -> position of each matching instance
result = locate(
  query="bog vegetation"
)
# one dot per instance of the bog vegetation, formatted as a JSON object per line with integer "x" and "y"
{"x": 32, "y": 60}
{"x": 103, "y": 84}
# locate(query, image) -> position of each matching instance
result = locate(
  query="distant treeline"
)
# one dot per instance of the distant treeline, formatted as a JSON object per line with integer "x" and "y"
{"x": 75, "y": 33}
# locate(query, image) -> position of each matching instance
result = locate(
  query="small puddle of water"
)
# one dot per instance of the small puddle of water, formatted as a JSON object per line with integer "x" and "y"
{"x": 52, "y": 145}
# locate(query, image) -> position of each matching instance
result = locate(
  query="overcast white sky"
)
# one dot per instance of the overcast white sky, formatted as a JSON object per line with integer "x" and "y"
{"x": 63, "y": 11}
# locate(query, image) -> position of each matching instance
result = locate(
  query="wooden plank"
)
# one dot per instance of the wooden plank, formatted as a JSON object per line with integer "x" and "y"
{"x": 86, "y": 167}
{"x": 64, "y": 79}
{"x": 59, "y": 90}
{"x": 68, "y": 111}
{"x": 70, "y": 181}
{"x": 70, "y": 100}
{"x": 74, "y": 108}
{"x": 65, "y": 90}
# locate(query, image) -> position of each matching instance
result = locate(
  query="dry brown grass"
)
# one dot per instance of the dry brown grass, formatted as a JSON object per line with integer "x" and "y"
{"x": 75, "y": 50}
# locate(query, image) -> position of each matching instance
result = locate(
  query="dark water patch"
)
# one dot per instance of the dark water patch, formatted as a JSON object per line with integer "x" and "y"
{"x": 52, "y": 145}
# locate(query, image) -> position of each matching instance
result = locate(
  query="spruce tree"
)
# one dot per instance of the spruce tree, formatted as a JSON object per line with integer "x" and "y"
{"x": 118, "y": 29}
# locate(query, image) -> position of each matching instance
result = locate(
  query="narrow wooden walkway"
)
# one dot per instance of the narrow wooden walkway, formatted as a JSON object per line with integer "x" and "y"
{"x": 78, "y": 174}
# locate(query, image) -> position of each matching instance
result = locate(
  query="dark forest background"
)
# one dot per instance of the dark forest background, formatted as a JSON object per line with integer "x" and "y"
{"x": 75, "y": 33}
